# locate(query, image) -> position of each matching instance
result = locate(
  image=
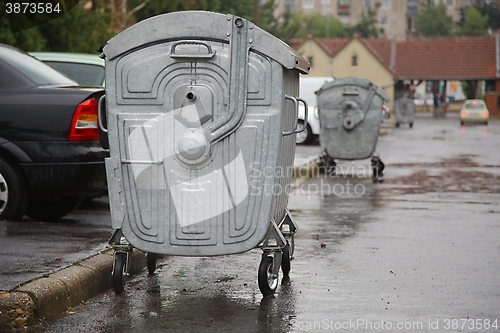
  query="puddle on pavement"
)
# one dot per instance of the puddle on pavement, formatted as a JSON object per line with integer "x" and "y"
{"x": 459, "y": 174}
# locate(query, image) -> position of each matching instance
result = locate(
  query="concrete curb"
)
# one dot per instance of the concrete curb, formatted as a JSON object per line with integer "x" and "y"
{"x": 44, "y": 298}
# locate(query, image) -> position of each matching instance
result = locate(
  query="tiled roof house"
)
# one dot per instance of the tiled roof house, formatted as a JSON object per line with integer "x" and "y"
{"x": 461, "y": 58}
{"x": 450, "y": 59}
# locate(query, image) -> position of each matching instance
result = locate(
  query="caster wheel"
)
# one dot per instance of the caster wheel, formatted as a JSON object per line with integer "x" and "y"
{"x": 286, "y": 260}
{"x": 119, "y": 272}
{"x": 151, "y": 262}
{"x": 268, "y": 282}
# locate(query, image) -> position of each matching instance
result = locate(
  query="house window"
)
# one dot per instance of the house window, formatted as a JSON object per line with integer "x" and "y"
{"x": 412, "y": 7}
{"x": 368, "y": 3}
{"x": 307, "y": 4}
{"x": 310, "y": 61}
{"x": 354, "y": 60}
{"x": 385, "y": 4}
{"x": 450, "y": 3}
{"x": 325, "y": 3}
{"x": 410, "y": 24}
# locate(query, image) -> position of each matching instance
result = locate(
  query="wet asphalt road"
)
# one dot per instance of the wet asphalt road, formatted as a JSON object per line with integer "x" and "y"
{"x": 30, "y": 249}
{"x": 419, "y": 252}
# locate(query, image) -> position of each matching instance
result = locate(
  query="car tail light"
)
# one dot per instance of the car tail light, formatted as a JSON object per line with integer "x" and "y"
{"x": 85, "y": 126}
{"x": 463, "y": 115}
{"x": 485, "y": 115}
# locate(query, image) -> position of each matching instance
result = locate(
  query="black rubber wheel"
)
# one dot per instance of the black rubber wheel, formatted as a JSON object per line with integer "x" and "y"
{"x": 119, "y": 272}
{"x": 40, "y": 210}
{"x": 305, "y": 137}
{"x": 286, "y": 258}
{"x": 291, "y": 242}
{"x": 411, "y": 125}
{"x": 13, "y": 192}
{"x": 267, "y": 283}
{"x": 397, "y": 124}
{"x": 151, "y": 262}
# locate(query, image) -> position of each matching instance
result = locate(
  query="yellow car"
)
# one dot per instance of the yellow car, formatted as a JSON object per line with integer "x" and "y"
{"x": 474, "y": 111}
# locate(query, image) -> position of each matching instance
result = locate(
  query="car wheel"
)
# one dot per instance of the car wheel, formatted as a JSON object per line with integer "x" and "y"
{"x": 13, "y": 192}
{"x": 41, "y": 210}
{"x": 305, "y": 137}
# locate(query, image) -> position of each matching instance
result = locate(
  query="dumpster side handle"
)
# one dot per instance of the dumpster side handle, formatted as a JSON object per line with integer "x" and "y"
{"x": 101, "y": 106}
{"x": 296, "y": 118}
{"x": 306, "y": 115}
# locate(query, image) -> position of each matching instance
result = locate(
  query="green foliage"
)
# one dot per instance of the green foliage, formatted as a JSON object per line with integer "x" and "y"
{"x": 474, "y": 24}
{"x": 319, "y": 26}
{"x": 432, "y": 20}
{"x": 92, "y": 23}
{"x": 367, "y": 27}
{"x": 491, "y": 10}
{"x": 27, "y": 40}
{"x": 468, "y": 90}
{"x": 284, "y": 27}
{"x": 80, "y": 30}
{"x": 243, "y": 8}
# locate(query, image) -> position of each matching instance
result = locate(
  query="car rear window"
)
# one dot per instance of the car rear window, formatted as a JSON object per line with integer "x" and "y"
{"x": 35, "y": 70}
{"x": 476, "y": 105}
{"x": 84, "y": 74}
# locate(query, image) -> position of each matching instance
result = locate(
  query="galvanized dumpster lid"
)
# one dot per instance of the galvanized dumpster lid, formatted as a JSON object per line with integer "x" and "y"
{"x": 201, "y": 25}
{"x": 348, "y": 81}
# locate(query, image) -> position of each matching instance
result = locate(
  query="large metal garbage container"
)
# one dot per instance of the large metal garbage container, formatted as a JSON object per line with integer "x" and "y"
{"x": 350, "y": 114}
{"x": 201, "y": 113}
{"x": 404, "y": 109}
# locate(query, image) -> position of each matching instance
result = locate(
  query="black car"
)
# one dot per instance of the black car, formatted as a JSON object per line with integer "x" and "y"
{"x": 50, "y": 156}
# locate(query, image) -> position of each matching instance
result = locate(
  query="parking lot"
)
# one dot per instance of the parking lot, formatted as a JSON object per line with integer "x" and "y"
{"x": 417, "y": 253}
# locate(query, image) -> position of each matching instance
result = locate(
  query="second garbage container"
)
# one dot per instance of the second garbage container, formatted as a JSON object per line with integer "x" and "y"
{"x": 350, "y": 113}
{"x": 201, "y": 115}
{"x": 404, "y": 109}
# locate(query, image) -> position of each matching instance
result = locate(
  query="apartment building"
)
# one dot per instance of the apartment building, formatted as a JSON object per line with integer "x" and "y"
{"x": 396, "y": 17}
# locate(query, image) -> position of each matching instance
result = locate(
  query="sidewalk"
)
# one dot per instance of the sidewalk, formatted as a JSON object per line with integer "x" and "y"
{"x": 43, "y": 298}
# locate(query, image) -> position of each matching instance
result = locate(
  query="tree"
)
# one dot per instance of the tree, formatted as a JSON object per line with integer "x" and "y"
{"x": 319, "y": 26}
{"x": 284, "y": 27}
{"x": 432, "y": 20}
{"x": 474, "y": 24}
{"x": 26, "y": 40}
{"x": 367, "y": 27}
{"x": 63, "y": 34}
{"x": 491, "y": 9}
{"x": 243, "y": 8}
